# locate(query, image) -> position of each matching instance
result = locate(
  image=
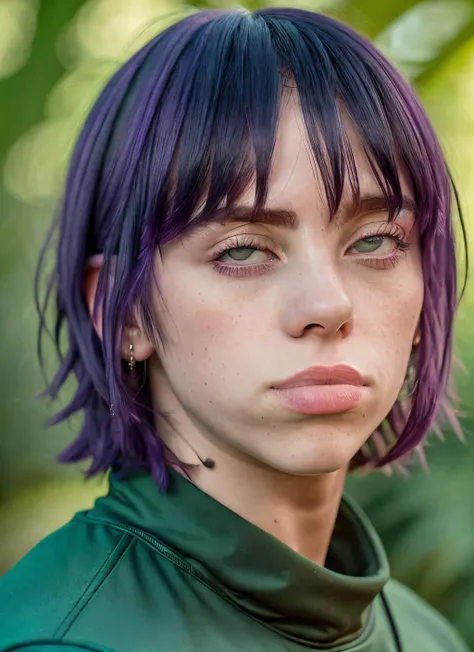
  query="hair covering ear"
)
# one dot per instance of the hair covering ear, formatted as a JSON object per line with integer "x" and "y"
{"x": 90, "y": 281}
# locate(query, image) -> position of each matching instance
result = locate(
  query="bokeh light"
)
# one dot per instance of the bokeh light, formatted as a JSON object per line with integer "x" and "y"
{"x": 18, "y": 26}
{"x": 112, "y": 29}
{"x": 101, "y": 35}
{"x": 420, "y": 33}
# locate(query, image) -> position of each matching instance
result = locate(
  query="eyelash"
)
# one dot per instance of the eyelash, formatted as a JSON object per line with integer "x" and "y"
{"x": 388, "y": 230}
{"x": 241, "y": 242}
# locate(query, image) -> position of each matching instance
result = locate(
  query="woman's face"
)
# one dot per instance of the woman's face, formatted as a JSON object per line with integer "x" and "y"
{"x": 250, "y": 304}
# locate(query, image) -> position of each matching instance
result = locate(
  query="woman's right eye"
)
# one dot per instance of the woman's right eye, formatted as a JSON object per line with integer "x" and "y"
{"x": 237, "y": 254}
{"x": 244, "y": 258}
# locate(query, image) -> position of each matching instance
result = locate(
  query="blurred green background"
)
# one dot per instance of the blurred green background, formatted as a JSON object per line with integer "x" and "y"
{"x": 55, "y": 55}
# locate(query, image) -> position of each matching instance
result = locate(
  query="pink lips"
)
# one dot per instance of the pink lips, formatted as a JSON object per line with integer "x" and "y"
{"x": 322, "y": 390}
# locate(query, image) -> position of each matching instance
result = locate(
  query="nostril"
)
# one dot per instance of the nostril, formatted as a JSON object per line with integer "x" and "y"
{"x": 315, "y": 326}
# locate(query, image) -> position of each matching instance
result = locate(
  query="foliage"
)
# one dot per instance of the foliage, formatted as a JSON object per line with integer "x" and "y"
{"x": 426, "y": 520}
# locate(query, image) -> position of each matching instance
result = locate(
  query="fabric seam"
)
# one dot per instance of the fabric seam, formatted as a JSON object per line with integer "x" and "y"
{"x": 110, "y": 562}
{"x": 59, "y": 644}
{"x": 168, "y": 553}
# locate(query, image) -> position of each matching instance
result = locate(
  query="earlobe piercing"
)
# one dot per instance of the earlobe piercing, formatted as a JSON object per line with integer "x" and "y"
{"x": 417, "y": 339}
{"x": 131, "y": 359}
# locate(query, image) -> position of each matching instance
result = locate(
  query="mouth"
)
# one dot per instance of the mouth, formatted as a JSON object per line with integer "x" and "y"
{"x": 322, "y": 390}
{"x": 319, "y": 375}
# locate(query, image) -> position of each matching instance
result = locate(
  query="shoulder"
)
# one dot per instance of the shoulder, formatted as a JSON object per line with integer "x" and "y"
{"x": 422, "y": 627}
{"x": 46, "y": 590}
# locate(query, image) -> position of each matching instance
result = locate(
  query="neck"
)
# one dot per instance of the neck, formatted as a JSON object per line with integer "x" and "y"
{"x": 300, "y": 511}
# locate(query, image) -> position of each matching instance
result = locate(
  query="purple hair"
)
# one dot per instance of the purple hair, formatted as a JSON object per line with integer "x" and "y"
{"x": 198, "y": 108}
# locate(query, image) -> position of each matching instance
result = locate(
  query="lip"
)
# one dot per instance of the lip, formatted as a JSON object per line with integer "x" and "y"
{"x": 322, "y": 390}
{"x": 340, "y": 374}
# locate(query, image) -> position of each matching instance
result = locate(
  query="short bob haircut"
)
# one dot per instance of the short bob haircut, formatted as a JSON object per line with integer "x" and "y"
{"x": 197, "y": 108}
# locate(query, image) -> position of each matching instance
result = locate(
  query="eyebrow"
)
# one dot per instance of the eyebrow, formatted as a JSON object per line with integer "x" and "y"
{"x": 370, "y": 204}
{"x": 289, "y": 219}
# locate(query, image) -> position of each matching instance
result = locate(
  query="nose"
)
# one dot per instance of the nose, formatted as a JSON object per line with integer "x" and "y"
{"x": 319, "y": 304}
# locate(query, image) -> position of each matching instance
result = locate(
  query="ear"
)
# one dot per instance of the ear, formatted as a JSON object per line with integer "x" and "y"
{"x": 90, "y": 281}
{"x": 417, "y": 335}
{"x": 142, "y": 347}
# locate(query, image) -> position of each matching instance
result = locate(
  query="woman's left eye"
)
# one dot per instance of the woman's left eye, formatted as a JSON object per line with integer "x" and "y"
{"x": 380, "y": 244}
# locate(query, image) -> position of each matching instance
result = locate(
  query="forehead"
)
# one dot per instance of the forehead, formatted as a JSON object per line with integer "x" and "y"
{"x": 294, "y": 174}
{"x": 301, "y": 170}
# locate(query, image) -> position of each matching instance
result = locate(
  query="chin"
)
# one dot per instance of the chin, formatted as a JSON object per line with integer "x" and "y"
{"x": 317, "y": 459}
{"x": 311, "y": 467}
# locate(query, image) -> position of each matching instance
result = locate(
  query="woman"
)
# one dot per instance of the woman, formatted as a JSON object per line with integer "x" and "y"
{"x": 256, "y": 271}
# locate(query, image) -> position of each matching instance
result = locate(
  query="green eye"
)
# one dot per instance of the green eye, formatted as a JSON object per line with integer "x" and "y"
{"x": 369, "y": 245}
{"x": 240, "y": 253}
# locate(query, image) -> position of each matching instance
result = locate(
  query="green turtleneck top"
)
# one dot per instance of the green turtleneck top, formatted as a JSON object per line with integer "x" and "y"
{"x": 145, "y": 571}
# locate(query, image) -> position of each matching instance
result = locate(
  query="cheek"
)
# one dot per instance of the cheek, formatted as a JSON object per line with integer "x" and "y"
{"x": 204, "y": 337}
{"x": 392, "y": 302}
{"x": 398, "y": 315}
{"x": 204, "y": 320}
{"x": 393, "y": 322}
{"x": 404, "y": 308}
{"x": 210, "y": 359}
{"x": 209, "y": 329}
